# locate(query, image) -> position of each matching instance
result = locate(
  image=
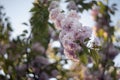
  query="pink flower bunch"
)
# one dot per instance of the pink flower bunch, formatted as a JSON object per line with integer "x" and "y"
{"x": 95, "y": 11}
{"x": 72, "y": 33}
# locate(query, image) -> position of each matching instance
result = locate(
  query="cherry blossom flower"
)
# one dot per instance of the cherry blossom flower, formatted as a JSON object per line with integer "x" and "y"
{"x": 71, "y": 55}
{"x": 73, "y": 14}
{"x": 54, "y": 13}
{"x": 58, "y": 20}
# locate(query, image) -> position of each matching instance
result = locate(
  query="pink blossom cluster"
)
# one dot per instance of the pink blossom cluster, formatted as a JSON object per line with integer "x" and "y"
{"x": 95, "y": 11}
{"x": 72, "y": 33}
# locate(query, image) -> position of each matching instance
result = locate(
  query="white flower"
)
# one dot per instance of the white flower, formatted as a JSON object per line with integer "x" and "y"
{"x": 70, "y": 45}
{"x": 61, "y": 35}
{"x": 71, "y": 55}
{"x": 58, "y": 20}
{"x": 73, "y": 14}
{"x": 54, "y": 13}
{"x": 67, "y": 24}
{"x": 69, "y": 36}
{"x": 87, "y": 31}
{"x": 53, "y": 5}
{"x": 83, "y": 33}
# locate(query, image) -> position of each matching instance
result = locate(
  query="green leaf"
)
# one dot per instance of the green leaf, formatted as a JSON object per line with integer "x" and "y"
{"x": 52, "y": 26}
{"x": 25, "y": 24}
{"x": 102, "y": 7}
{"x": 114, "y": 73}
{"x": 6, "y": 19}
{"x": 9, "y": 27}
{"x": 109, "y": 63}
{"x": 25, "y": 31}
{"x": 114, "y": 4}
{"x": 95, "y": 56}
{"x": 39, "y": 23}
{"x": 23, "y": 35}
{"x": 87, "y": 39}
{"x": 83, "y": 58}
